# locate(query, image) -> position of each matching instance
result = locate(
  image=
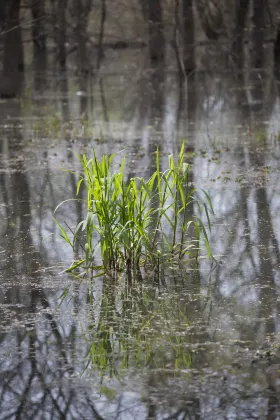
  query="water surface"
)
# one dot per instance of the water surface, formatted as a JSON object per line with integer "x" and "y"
{"x": 195, "y": 344}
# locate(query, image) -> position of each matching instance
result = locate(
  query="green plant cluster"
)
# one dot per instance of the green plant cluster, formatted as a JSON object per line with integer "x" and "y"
{"x": 138, "y": 222}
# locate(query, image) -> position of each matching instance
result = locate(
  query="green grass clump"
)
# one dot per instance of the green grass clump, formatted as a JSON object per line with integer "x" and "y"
{"x": 138, "y": 223}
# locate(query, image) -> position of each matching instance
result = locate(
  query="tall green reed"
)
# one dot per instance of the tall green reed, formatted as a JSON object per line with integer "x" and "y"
{"x": 137, "y": 222}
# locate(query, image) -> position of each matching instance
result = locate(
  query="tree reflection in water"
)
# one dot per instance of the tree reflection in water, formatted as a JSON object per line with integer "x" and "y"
{"x": 185, "y": 346}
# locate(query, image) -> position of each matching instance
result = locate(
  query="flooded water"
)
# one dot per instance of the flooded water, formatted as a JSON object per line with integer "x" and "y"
{"x": 198, "y": 344}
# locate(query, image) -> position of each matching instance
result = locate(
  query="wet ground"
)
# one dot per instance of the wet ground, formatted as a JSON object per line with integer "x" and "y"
{"x": 198, "y": 343}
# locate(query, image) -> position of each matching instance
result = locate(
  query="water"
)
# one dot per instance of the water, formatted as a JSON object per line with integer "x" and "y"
{"x": 197, "y": 344}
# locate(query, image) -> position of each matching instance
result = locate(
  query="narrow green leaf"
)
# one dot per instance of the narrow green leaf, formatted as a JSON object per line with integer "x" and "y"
{"x": 63, "y": 233}
{"x": 79, "y": 185}
{"x": 74, "y": 266}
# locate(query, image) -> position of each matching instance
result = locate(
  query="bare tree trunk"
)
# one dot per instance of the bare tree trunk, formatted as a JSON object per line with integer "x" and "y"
{"x": 156, "y": 32}
{"x": 61, "y": 37}
{"x": 101, "y": 34}
{"x": 13, "y": 63}
{"x": 2, "y": 15}
{"x": 39, "y": 43}
{"x": 144, "y": 9}
{"x": 81, "y": 11}
{"x": 81, "y": 39}
{"x": 277, "y": 48}
{"x": 38, "y": 33}
{"x": 188, "y": 37}
{"x": 258, "y": 32}
{"x": 242, "y": 9}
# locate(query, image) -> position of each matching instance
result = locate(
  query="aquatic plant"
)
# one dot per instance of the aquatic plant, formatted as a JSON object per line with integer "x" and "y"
{"x": 138, "y": 222}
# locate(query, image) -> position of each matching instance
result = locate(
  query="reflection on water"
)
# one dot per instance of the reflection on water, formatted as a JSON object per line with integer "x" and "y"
{"x": 193, "y": 343}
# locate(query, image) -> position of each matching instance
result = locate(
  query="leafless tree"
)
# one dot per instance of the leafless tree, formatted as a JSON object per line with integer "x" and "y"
{"x": 188, "y": 37}
{"x": 277, "y": 49}
{"x": 38, "y": 32}
{"x": 80, "y": 10}
{"x": 12, "y": 73}
{"x": 241, "y": 16}
{"x": 156, "y": 31}
{"x": 258, "y": 32}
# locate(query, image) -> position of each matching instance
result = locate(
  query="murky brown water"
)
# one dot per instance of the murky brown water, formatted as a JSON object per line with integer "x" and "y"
{"x": 199, "y": 344}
